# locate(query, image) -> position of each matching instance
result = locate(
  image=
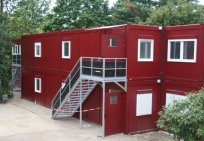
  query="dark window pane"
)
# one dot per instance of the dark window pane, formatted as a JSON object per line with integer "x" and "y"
{"x": 175, "y": 50}
{"x": 188, "y": 52}
{"x": 145, "y": 50}
{"x": 113, "y": 99}
{"x": 38, "y": 84}
{"x": 66, "y": 49}
{"x": 113, "y": 42}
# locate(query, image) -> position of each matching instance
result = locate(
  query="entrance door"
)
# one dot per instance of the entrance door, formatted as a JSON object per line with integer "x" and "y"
{"x": 113, "y": 46}
{"x": 114, "y": 117}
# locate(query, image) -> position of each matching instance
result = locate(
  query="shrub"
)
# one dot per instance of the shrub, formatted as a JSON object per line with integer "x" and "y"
{"x": 185, "y": 119}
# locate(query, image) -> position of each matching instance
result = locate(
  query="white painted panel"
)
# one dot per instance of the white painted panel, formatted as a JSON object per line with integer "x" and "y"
{"x": 171, "y": 97}
{"x": 144, "y": 104}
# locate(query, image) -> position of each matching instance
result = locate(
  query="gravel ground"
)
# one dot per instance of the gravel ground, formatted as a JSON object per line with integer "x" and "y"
{"x": 21, "y": 120}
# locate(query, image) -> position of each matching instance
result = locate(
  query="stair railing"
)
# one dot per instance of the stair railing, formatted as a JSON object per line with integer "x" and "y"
{"x": 15, "y": 76}
{"x": 67, "y": 86}
{"x": 93, "y": 67}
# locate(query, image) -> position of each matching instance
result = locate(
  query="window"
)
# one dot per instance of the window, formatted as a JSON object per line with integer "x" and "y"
{"x": 145, "y": 50}
{"x": 66, "y": 49}
{"x": 38, "y": 85}
{"x": 38, "y": 49}
{"x": 182, "y": 50}
{"x": 113, "y": 42}
{"x": 113, "y": 99}
{"x": 144, "y": 104}
{"x": 170, "y": 98}
{"x": 15, "y": 50}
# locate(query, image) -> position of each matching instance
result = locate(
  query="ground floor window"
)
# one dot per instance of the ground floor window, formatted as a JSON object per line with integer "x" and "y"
{"x": 144, "y": 104}
{"x": 38, "y": 85}
{"x": 170, "y": 98}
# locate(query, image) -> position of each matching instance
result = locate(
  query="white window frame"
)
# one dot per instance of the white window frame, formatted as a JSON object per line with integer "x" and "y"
{"x": 151, "y": 59}
{"x": 14, "y": 50}
{"x": 181, "y": 51}
{"x": 144, "y": 104}
{"x": 63, "y": 49}
{"x": 40, "y": 85}
{"x": 110, "y": 42}
{"x": 40, "y": 49}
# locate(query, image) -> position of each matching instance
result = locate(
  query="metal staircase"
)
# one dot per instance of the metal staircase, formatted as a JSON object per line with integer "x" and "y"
{"x": 16, "y": 78}
{"x": 83, "y": 78}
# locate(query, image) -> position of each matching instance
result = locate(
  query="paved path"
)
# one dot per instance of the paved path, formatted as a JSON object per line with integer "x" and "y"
{"x": 21, "y": 120}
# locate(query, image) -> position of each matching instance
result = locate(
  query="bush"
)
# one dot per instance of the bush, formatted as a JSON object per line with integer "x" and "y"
{"x": 185, "y": 119}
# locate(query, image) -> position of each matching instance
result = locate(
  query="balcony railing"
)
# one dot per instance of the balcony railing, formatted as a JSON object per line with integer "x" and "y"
{"x": 104, "y": 67}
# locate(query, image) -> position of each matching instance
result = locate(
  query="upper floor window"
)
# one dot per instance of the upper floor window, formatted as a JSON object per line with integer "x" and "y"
{"x": 183, "y": 50}
{"x": 38, "y": 49}
{"x": 66, "y": 49}
{"x": 16, "y": 50}
{"x": 145, "y": 50}
{"x": 113, "y": 42}
{"x": 38, "y": 85}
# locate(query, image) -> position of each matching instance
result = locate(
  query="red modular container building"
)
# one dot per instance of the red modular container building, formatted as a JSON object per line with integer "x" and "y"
{"x": 162, "y": 63}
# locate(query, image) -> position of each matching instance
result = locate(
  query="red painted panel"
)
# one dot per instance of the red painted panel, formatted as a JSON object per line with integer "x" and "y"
{"x": 114, "y": 117}
{"x": 92, "y": 102}
{"x": 137, "y": 124}
{"x": 89, "y": 43}
{"x": 114, "y": 51}
{"x": 143, "y": 69}
{"x": 183, "y": 71}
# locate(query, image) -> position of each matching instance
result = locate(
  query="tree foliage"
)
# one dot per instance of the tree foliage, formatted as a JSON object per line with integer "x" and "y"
{"x": 72, "y": 14}
{"x": 177, "y": 12}
{"x": 132, "y": 12}
{"x": 185, "y": 119}
{"x": 5, "y": 56}
{"x": 28, "y": 17}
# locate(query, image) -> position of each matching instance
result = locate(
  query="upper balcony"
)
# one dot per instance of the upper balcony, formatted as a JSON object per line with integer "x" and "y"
{"x": 104, "y": 69}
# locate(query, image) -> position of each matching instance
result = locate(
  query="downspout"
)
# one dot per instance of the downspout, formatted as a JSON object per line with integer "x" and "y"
{"x": 126, "y": 109}
{"x": 201, "y": 57}
{"x": 162, "y": 30}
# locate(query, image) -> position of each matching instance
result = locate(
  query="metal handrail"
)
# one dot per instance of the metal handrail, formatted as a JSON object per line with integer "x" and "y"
{"x": 65, "y": 81}
{"x": 78, "y": 68}
{"x": 15, "y": 76}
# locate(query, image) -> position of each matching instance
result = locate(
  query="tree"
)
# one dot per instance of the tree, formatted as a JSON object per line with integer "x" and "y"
{"x": 183, "y": 12}
{"x": 185, "y": 119}
{"x": 72, "y": 14}
{"x": 124, "y": 12}
{"x": 28, "y": 17}
{"x": 94, "y": 13}
{"x": 5, "y": 56}
{"x": 132, "y": 11}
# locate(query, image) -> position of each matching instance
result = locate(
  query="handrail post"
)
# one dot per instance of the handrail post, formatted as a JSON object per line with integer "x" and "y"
{"x": 91, "y": 66}
{"x": 60, "y": 94}
{"x": 80, "y": 65}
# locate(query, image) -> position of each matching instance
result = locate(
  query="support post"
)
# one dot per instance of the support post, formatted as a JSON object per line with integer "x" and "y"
{"x": 103, "y": 108}
{"x": 81, "y": 104}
